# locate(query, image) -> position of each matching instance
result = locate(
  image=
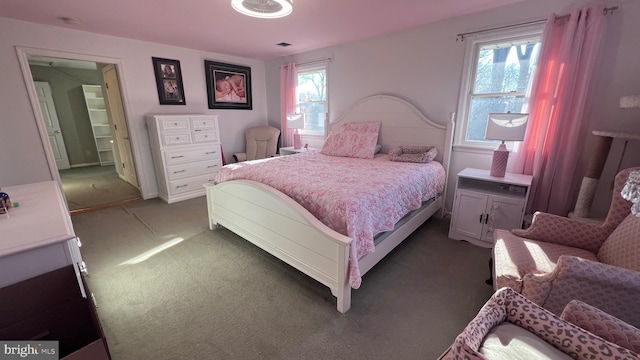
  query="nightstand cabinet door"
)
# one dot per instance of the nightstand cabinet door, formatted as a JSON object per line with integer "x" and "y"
{"x": 504, "y": 213}
{"x": 469, "y": 208}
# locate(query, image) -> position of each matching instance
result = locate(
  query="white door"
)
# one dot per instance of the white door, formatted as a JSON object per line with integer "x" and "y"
{"x": 53, "y": 126}
{"x": 126, "y": 167}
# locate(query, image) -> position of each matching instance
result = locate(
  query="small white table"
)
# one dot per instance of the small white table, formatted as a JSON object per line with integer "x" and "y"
{"x": 289, "y": 150}
{"x": 484, "y": 203}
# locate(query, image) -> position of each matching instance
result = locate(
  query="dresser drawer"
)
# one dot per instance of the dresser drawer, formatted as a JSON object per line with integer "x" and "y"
{"x": 172, "y": 139}
{"x": 50, "y": 307}
{"x": 190, "y": 184}
{"x": 206, "y": 124}
{"x": 205, "y": 137}
{"x": 174, "y": 123}
{"x": 198, "y": 168}
{"x": 182, "y": 156}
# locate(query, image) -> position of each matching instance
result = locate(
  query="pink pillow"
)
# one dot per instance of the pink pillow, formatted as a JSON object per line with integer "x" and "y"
{"x": 362, "y": 127}
{"x": 350, "y": 144}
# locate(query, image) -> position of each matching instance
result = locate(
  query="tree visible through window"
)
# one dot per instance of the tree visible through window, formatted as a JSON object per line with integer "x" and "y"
{"x": 500, "y": 76}
{"x": 311, "y": 95}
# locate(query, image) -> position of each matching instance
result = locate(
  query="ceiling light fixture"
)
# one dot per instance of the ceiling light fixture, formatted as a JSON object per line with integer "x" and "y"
{"x": 265, "y": 9}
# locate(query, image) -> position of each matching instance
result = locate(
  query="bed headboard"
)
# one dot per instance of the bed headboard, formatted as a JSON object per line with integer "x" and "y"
{"x": 402, "y": 124}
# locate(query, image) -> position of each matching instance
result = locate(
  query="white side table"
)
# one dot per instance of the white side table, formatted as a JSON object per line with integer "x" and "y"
{"x": 483, "y": 203}
{"x": 289, "y": 150}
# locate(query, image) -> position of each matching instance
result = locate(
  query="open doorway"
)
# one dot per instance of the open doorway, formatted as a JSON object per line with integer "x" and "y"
{"x": 84, "y": 117}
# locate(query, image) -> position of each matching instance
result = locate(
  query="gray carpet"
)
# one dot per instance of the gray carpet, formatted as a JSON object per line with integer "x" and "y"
{"x": 213, "y": 295}
{"x": 95, "y": 186}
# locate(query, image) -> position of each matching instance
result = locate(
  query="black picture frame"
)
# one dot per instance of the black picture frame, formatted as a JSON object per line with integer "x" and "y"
{"x": 234, "y": 81}
{"x": 169, "y": 81}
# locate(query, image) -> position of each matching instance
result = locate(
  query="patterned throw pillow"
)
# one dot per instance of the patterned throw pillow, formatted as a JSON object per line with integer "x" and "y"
{"x": 362, "y": 127}
{"x": 350, "y": 144}
{"x": 622, "y": 247}
{"x": 602, "y": 324}
{"x": 416, "y": 154}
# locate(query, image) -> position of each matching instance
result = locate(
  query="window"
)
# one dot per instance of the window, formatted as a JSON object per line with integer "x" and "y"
{"x": 499, "y": 70}
{"x": 311, "y": 95}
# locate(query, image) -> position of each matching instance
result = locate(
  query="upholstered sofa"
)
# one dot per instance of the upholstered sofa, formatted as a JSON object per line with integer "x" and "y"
{"x": 510, "y": 326}
{"x": 575, "y": 259}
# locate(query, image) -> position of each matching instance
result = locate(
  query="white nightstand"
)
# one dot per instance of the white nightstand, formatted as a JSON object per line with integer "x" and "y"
{"x": 483, "y": 203}
{"x": 290, "y": 150}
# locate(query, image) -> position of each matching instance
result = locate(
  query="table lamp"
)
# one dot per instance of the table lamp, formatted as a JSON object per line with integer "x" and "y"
{"x": 505, "y": 127}
{"x": 296, "y": 121}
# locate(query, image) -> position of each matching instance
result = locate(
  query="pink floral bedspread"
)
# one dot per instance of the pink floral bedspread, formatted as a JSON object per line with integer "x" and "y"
{"x": 359, "y": 198}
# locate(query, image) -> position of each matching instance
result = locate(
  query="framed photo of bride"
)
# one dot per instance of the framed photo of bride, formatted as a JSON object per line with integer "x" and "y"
{"x": 228, "y": 85}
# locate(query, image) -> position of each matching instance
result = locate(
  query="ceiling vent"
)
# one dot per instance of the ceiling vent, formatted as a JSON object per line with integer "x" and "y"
{"x": 69, "y": 21}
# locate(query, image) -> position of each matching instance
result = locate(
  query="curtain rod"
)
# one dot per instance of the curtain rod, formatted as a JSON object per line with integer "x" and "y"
{"x": 460, "y": 37}
{"x": 310, "y": 62}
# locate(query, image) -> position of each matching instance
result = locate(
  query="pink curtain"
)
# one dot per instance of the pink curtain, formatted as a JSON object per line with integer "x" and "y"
{"x": 288, "y": 83}
{"x": 559, "y": 108}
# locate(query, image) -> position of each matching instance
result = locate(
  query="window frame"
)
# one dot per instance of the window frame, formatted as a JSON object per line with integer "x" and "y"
{"x": 311, "y": 67}
{"x": 472, "y": 51}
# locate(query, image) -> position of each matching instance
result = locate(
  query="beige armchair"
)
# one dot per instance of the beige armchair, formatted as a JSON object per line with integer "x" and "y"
{"x": 262, "y": 142}
{"x": 558, "y": 259}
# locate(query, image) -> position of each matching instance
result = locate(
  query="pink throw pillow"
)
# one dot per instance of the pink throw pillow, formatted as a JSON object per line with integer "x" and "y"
{"x": 362, "y": 127}
{"x": 350, "y": 144}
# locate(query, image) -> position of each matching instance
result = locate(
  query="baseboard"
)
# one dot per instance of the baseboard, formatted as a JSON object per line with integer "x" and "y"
{"x": 84, "y": 165}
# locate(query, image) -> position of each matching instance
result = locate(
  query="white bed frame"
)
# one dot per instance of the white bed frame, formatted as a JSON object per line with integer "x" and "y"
{"x": 276, "y": 223}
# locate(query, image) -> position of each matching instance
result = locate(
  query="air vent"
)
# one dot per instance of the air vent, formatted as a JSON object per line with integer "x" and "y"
{"x": 69, "y": 21}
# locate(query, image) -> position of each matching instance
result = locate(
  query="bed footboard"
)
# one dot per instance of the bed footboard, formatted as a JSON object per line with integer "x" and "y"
{"x": 277, "y": 224}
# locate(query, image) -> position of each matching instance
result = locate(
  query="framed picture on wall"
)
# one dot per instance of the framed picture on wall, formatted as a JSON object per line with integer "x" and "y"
{"x": 169, "y": 81}
{"x": 228, "y": 86}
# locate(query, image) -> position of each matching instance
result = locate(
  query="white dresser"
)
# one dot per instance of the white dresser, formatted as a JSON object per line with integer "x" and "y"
{"x": 186, "y": 154}
{"x": 36, "y": 237}
{"x": 43, "y": 295}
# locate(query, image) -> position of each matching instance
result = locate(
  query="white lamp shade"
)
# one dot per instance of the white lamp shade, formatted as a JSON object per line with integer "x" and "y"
{"x": 506, "y": 126}
{"x": 295, "y": 121}
{"x": 630, "y": 102}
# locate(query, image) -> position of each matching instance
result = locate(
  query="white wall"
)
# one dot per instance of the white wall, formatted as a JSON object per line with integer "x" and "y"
{"x": 424, "y": 65}
{"x": 22, "y": 157}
